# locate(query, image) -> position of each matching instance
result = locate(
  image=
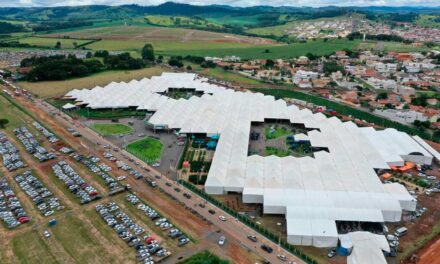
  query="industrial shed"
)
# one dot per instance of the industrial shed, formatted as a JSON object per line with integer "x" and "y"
{"x": 313, "y": 192}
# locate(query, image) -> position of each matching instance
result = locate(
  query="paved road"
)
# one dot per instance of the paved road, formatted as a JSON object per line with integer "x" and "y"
{"x": 232, "y": 228}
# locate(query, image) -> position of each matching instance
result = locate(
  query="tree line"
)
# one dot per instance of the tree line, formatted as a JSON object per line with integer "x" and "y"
{"x": 62, "y": 67}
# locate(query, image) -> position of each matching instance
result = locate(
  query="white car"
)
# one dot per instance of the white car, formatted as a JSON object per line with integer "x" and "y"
{"x": 157, "y": 164}
{"x": 46, "y": 233}
{"x": 121, "y": 178}
{"x": 222, "y": 218}
{"x": 222, "y": 240}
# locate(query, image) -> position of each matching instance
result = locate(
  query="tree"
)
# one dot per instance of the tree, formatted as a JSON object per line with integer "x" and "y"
{"x": 58, "y": 45}
{"x": 3, "y": 122}
{"x": 332, "y": 66}
{"x": 269, "y": 63}
{"x": 148, "y": 52}
{"x": 383, "y": 95}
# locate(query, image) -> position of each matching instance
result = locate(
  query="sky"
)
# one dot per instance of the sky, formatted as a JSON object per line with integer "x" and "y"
{"x": 312, "y": 3}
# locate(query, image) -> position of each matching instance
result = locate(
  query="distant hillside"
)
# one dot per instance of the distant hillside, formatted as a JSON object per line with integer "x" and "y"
{"x": 94, "y": 12}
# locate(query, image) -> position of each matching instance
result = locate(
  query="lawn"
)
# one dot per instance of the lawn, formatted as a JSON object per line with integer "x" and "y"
{"x": 13, "y": 114}
{"x": 204, "y": 257}
{"x": 111, "y": 129}
{"x": 51, "y": 42}
{"x": 277, "y": 132}
{"x": 56, "y": 88}
{"x": 147, "y": 149}
{"x": 277, "y": 152}
{"x": 317, "y": 47}
{"x": 36, "y": 252}
{"x": 79, "y": 242}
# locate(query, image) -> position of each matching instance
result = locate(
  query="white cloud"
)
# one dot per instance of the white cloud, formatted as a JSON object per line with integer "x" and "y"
{"x": 314, "y": 3}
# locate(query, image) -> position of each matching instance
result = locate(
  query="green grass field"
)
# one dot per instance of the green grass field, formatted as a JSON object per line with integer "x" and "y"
{"x": 111, "y": 129}
{"x": 147, "y": 149}
{"x": 391, "y": 46}
{"x": 14, "y": 115}
{"x": 51, "y": 42}
{"x": 36, "y": 252}
{"x": 230, "y": 19}
{"x": 318, "y": 47}
{"x": 56, "y": 88}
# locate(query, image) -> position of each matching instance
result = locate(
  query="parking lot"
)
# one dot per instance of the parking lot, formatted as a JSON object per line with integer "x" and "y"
{"x": 171, "y": 150}
{"x": 10, "y": 154}
{"x": 12, "y": 212}
{"x": 42, "y": 197}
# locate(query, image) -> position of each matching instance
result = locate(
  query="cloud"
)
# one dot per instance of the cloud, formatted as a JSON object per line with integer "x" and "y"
{"x": 313, "y": 3}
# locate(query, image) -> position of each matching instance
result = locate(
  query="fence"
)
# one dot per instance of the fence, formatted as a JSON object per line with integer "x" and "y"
{"x": 244, "y": 219}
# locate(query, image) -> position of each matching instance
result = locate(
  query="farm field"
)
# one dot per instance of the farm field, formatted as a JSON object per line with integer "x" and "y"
{"x": 58, "y": 88}
{"x": 147, "y": 149}
{"x": 51, "y": 42}
{"x": 150, "y": 33}
{"x": 318, "y": 47}
{"x": 111, "y": 129}
{"x": 133, "y": 38}
{"x": 163, "y": 46}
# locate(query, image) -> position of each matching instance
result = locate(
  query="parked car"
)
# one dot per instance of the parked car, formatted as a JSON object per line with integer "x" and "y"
{"x": 222, "y": 240}
{"x": 331, "y": 253}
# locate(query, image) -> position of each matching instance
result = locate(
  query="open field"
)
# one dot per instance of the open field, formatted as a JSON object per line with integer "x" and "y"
{"x": 51, "y": 42}
{"x": 15, "y": 116}
{"x": 163, "y": 46}
{"x": 147, "y": 149}
{"x": 57, "y": 88}
{"x": 111, "y": 129}
{"x": 149, "y": 33}
{"x": 317, "y": 47}
{"x": 230, "y": 19}
{"x": 221, "y": 74}
{"x": 391, "y": 46}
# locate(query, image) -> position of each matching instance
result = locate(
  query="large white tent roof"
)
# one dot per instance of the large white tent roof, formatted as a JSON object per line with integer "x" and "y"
{"x": 313, "y": 192}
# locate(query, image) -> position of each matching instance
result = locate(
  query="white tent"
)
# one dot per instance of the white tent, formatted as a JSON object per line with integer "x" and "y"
{"x": 367, "y": 248}
{"x": 69, "y": 106}
{"x": 313, "y": 192}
